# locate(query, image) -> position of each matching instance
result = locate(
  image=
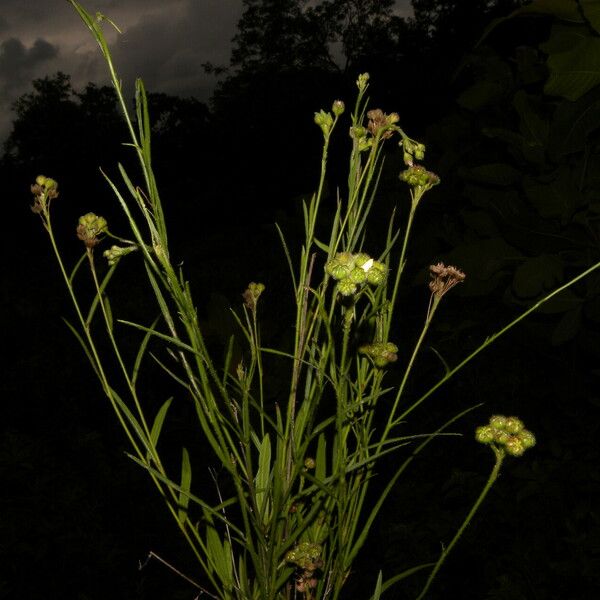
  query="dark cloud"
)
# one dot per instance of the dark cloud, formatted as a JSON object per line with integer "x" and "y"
{"x": 168, "y": 53}
{"x": 18, "y": 62}
{"x": 164, "y": 41}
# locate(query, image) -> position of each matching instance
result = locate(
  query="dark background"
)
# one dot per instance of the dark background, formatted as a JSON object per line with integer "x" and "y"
{"x": 518, "y": 210}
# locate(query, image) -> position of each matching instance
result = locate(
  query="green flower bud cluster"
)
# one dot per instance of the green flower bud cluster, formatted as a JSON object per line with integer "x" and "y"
{"x": 360, "y": 135}
{"x": 381, "y": 353}
{"x": 252, "y": 294}
{"x": 352, "y": 271}
{"x": 44, "y": 189}
{"x": 507, "y": 432}
{"x": 306, "y": 555}
{"x": 89, "y": 229}
{"x": 418, "y": 176}
{"x": 325, "y": 121}
{"x": 412, "y": 150}
{"x": 114, "y": 253}
{"x": 362, "y": 82}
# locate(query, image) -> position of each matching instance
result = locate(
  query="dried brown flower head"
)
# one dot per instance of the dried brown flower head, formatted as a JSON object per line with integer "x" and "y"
{"x": 443, "y": 278}
{"x": 381, "y": 123}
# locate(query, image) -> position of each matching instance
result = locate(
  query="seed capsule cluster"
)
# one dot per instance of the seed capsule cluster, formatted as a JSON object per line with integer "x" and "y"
{"x": 381, "y": 353}
{"x": 90, "y": 228}
{"x": 507, "y": 432}
{"x": 353, "y": 271}
{"x": 418, "y": 176}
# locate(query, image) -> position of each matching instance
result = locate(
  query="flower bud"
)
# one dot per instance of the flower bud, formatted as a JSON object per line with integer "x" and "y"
{"x": 90, "y": 228}
{"x": 337, "y": 270}
{"x": 114, "y": 253}
{"x": 309, "y": 463}
{"x": 346, "y": 287}
{"x": 513, "y": 425}
{"x": 357, "y": 275}
{"x": 345, "y": 258}
{"x": 377, "y": 273}
{"x": 338, "y": 108}
{"x": 362, "y": 82}
{"x": 514, "y": 446}
{"x": 325, "y": 121}
{"x": 361, "y": 258}
{"x": 498, "y": 422}
{"x": 50, "y": 184}
{"x": 500, "y": 436}
{"x": 252, "y": 294}
{"x": 365, "y": 144}
{"x": 358, "y": 132}
{"x": 484, "y": 434}
{"x": 527, "y": 438}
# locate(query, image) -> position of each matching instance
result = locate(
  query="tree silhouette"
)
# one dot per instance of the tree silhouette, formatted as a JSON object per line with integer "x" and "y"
{"x": 56, "y": 127}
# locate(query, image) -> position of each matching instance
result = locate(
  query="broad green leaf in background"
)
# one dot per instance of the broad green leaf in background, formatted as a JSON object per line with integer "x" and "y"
{"x": 537, "y": 275}
{"x": 575, "y": 71}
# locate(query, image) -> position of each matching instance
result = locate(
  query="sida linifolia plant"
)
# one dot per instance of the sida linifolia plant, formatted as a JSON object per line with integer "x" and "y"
{"x": 296, "y": 507}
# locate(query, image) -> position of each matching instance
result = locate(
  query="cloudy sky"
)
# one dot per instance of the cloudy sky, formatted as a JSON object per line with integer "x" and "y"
{"x": 163, "y": 41}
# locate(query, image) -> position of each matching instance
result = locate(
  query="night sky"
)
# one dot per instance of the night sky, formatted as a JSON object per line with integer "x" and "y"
{"x": 164, "y": 42}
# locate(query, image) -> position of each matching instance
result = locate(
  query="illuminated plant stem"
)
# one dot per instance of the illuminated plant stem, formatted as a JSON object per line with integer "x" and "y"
{"x": 500, "y": 454}
{"x": 415, "y": 196}
{"x": 492, "y": 338}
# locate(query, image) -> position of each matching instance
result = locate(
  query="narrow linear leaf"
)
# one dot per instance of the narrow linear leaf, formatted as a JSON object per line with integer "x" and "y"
{"x": 186, "y": 483}
{"x": 158, "y": 421}
{"x": 84, "y": 345}
{"x": 142, "y": 351}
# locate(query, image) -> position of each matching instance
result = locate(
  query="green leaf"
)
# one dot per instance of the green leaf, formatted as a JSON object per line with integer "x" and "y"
{"x": 591, "y": 11}
{"x": 262, "y": 480}
{"x": 186, "y": 483}
{"x": 108, "y": 312}
{"x": 563, "y": 302}
{"x": 536, "y": 275}
{"x": 565, "y": 10}
{"x": 568, "y": 327}
{"x": 378, "y": 590}
{"x": 130, "y": 418}
{"x": 142, "y": 351}
{"x": 480, "y": 94}
{"x": 533, "y": 127}
{"x": 321, "y": 245}
{"x": 393, "y": 580}
{"x": 158, "y": 421}
{"x": 219, "y": 554}
{"x": 143, "y": 118}
{"x": 211, "y": 511}
{"x": 499, "y": 174}
{"x": 572, "y": 124}
{"x": 287, "y": 256}
{"x": 84, "y": 345}
{"x": 574, "y": 71}
{"x": 321, "y": 459}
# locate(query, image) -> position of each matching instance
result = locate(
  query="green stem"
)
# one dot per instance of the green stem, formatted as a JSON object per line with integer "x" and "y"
{"x": 494, "y": 337}
{"x": 490, "y": 482}
{"x": 402, "y": 262}
{"x": 391, "y": 419}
